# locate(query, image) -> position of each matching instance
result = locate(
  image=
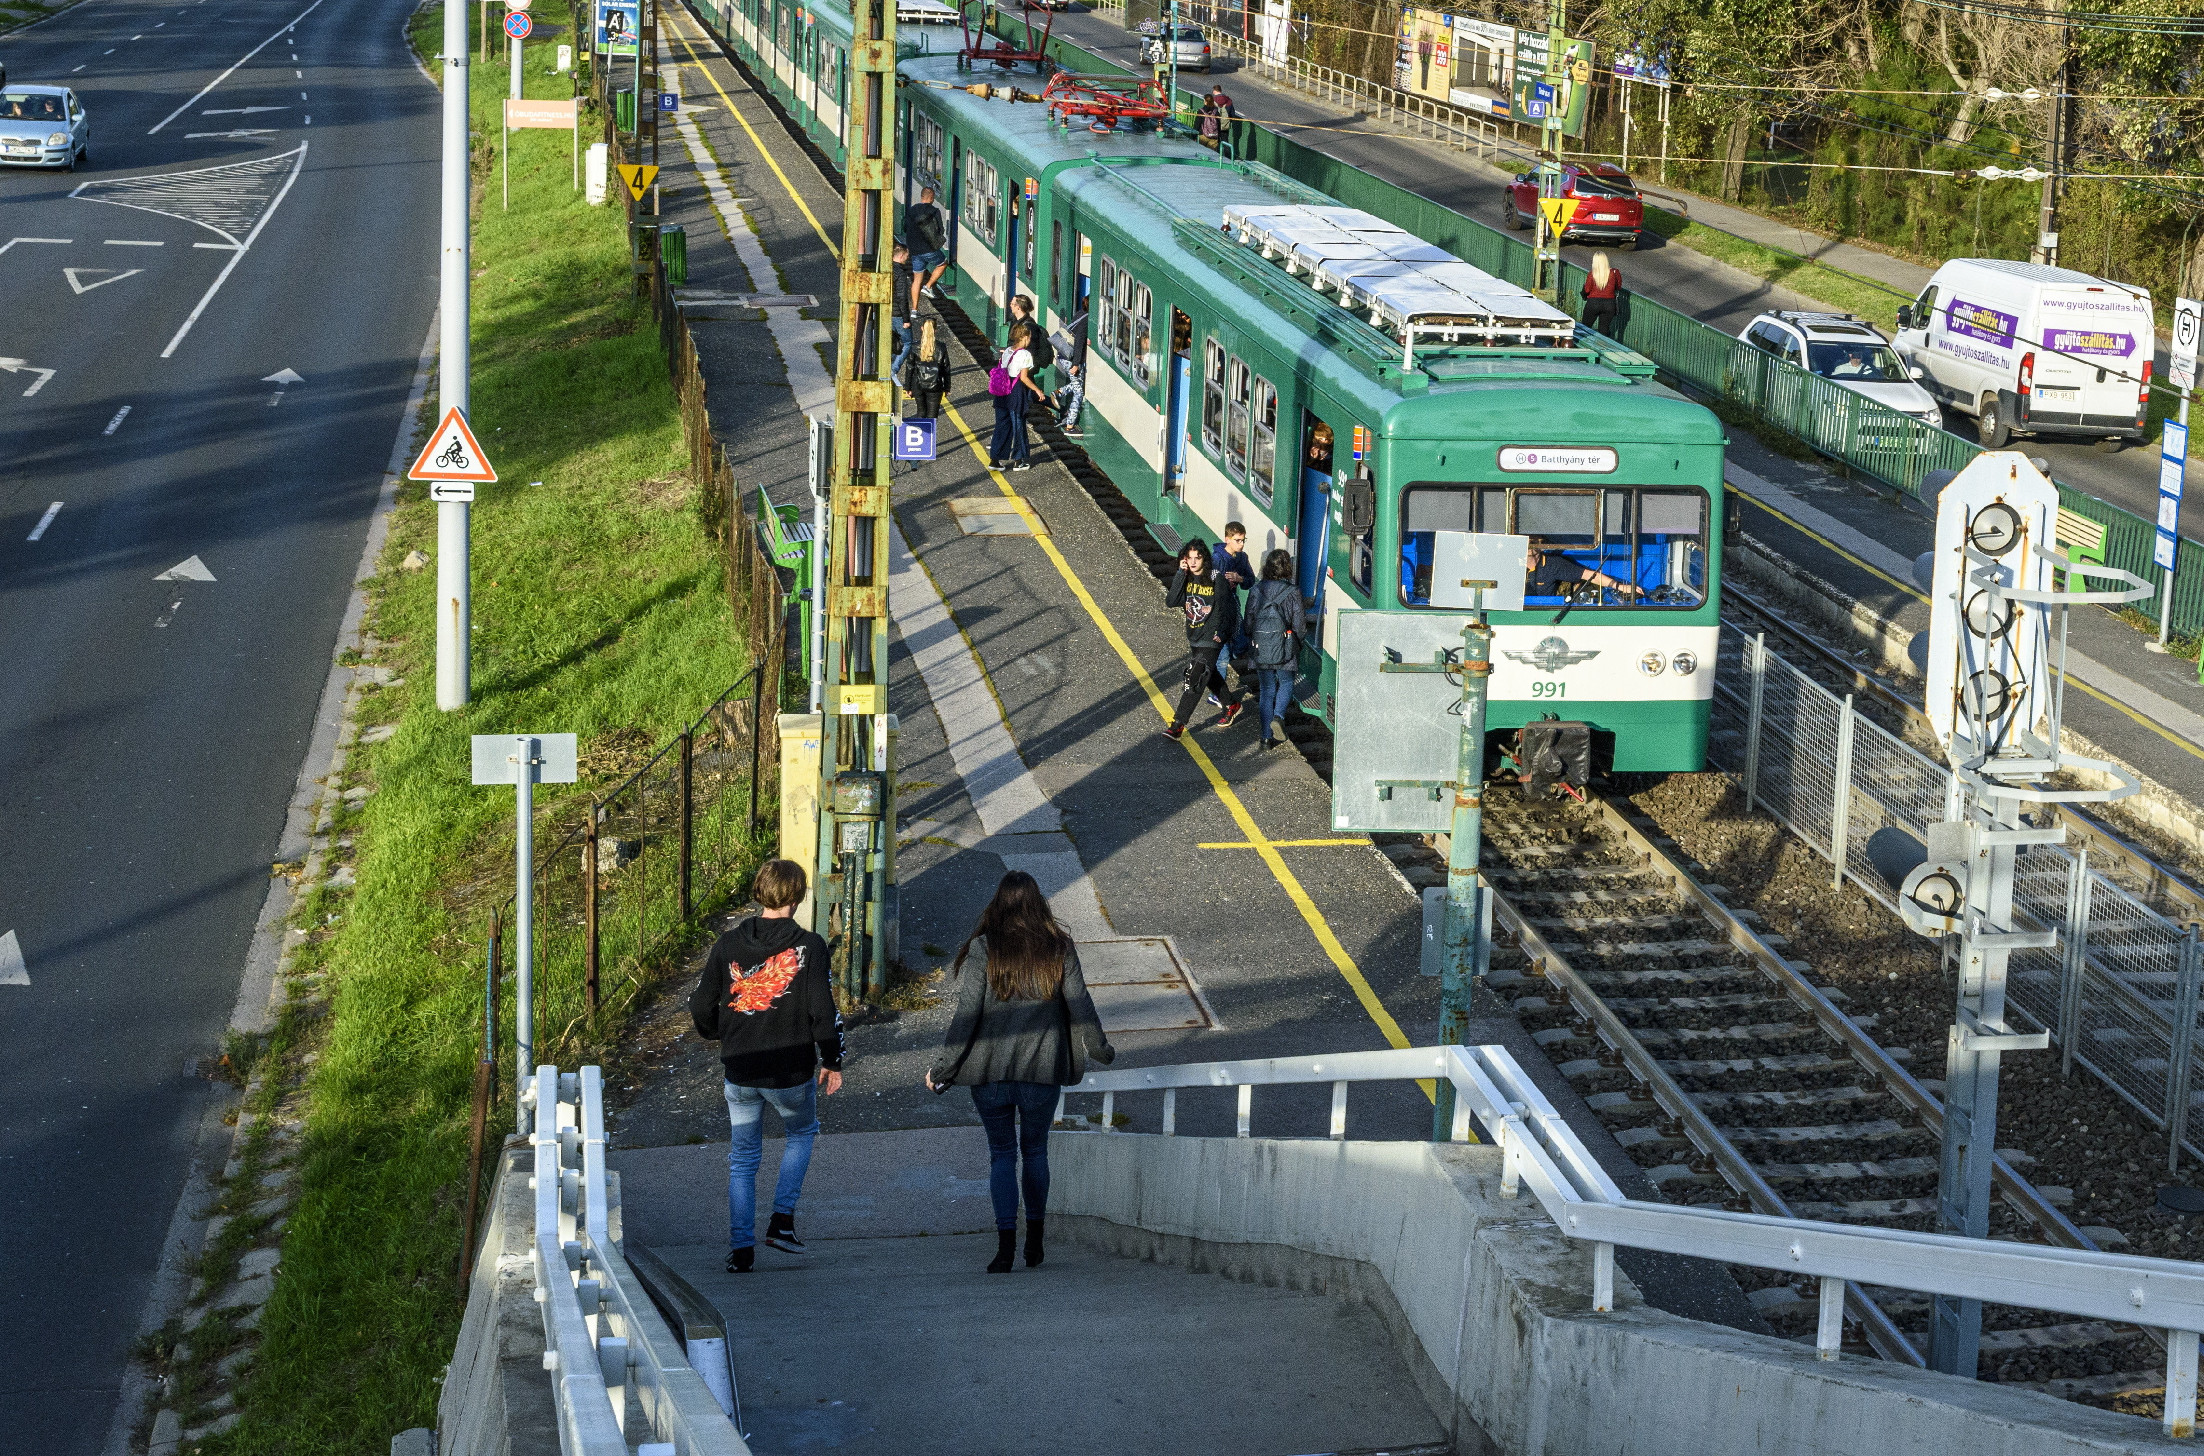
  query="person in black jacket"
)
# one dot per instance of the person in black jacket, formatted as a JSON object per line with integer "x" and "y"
{"x": 1212, "y": 611}
{"x": 766, "y": 999}
{"x": 928, "y": 231}
{"x": 1024, "y": 1027}
{"x": 926, "y": 370}
{"x": 1276, "y": 626}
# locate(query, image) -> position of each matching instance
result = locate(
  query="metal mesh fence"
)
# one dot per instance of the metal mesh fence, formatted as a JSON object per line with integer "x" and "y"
{"x": 2110, "y": 992}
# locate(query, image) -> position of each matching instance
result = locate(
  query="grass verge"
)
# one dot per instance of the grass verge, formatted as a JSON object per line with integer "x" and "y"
{"x": 1841, "y": 291}
{"x": 599, "y": 610}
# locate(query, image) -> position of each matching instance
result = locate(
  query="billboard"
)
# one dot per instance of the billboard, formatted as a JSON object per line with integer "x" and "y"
{"x": 617, "y": 27}
{"x": 1481, "y": 65}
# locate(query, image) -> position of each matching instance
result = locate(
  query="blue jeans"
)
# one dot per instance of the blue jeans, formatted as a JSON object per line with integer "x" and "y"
{"x": 799, "y": 1110}
{"x": 902, "y": 331}
{"x": 1016, "y": 1116}
{"x": 1274, "y": 690}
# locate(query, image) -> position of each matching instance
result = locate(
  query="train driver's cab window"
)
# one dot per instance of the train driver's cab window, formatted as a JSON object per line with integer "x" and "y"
{"x": 1590, "y": 549}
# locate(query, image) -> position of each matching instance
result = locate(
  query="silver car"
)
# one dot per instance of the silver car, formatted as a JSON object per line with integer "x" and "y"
{"x": 1189, "y": 48}
{"x": 43, "y": 126}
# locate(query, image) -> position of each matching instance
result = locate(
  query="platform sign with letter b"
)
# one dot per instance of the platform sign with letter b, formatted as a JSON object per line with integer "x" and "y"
{"x": 914, "y": 439}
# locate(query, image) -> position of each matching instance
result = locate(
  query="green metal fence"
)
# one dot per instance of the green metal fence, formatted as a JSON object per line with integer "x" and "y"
{"x": 1859, "y": 434}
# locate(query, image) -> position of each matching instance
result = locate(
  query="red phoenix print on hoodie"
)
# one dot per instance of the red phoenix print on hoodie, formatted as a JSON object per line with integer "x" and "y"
{"x": 763, "y": 986}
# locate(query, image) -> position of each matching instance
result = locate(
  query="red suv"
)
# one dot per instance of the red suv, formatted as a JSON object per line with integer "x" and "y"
{"x": 1609, "y": 209}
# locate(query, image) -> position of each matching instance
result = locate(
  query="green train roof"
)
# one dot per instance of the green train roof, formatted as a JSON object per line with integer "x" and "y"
{"x": 1169, "y": 197}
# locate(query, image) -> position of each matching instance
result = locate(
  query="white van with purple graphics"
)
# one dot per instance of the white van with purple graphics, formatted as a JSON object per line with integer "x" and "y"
{"x": 2031, "y": 349}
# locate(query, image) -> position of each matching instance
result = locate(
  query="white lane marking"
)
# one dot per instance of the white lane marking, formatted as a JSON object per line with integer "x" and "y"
{"x": 12, "y": 970}
{"x": 11, "y": 242}
{"x": 191, "y": 568}
{"x": 300, "y": 74}
{"x": 19, "y": 366}
{"x": 238, "y": 256}
{"x": 107, "y": 53}
{"x": 241, "y": 110}
{"x": 256, "y": 50}
{"x": 226, "y": 200}
{"x": 81, "y": 286}
{"x": 170, "y": 615}
{"x": 195, "y": 135}
{"x": 134, "y": 243}
{"x": 116, "y": 423}
{"x": 302, "y": 95}
{"x": 218, "y": 247}
{"x": 138, "y": 37}
{"x": 309, "y": 121}
{"x": 80, "y": 68}
{"x": 44, "y": 521}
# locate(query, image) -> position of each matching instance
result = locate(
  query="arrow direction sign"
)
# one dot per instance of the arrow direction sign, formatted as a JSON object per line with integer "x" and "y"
{"x": 76, "y": 277}
{"x": 191, "y": 568}
{"x": 452, "y": 454}
{"x": 638, "y": 177}
{"x": 12, "y": 970}
{"x": 19, "y": 366}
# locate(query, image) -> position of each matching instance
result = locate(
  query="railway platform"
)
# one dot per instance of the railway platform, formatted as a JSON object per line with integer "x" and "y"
{"x": 1220, "y": 917}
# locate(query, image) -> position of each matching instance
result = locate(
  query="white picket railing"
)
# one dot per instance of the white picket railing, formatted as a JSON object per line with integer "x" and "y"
{"x": 1541, "y": 1151}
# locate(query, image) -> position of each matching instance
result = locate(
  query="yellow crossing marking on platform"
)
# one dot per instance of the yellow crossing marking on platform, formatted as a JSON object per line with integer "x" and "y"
{"x": 1287, "y": 880}
{"x": 1282, "y": 843}
{"x": 1915, "y": 592}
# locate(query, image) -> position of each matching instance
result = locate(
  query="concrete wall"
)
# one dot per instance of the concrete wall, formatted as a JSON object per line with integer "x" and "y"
{"x": 1492, "y": 1307}
{"x": 497, "y": 1395}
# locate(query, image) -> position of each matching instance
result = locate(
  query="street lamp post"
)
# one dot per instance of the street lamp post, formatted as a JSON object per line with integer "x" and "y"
{"x": 453, "y": 610}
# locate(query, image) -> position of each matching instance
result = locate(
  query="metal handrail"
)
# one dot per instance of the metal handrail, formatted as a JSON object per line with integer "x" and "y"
{"x": 1540, "y": 1149}
{"x": 604, "y": 1341}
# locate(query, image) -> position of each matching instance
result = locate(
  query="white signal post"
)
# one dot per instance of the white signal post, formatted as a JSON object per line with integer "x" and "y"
{"x": 453, "y": 609}
{"x": 2173, "y": 457}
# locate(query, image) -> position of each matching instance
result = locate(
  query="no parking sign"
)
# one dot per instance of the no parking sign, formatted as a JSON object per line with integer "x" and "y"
{"x": 517, "y": 24}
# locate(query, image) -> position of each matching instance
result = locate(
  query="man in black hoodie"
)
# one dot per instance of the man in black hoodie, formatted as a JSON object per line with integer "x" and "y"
{"x": 766, "y": 999}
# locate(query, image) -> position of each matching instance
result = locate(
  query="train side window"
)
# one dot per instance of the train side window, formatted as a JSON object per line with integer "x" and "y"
{"x": 1262, "y": 449}
{"x": 1212, "y": 396}
{"x": 1235, "y": 419}
{"x": 983, "y": 202}
{"x": 926, "y": 150}
{"x": 1141, "y": 312}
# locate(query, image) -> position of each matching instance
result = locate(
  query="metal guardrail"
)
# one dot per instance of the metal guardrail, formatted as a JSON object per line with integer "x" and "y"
{"x": 1540, "y": 1150}
{"x": 2118, "y": 993}
{"x": 614, "y": 1365}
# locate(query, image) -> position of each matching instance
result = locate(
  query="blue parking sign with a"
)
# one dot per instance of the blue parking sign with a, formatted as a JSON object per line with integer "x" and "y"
{"x": 914, "y": 439}
{"x": 669, "y": 101}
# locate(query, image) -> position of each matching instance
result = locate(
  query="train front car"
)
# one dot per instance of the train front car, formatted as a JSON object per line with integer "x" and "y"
{"x": 1615, "y": 484}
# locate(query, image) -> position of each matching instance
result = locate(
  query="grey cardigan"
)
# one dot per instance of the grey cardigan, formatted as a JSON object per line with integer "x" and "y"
{"x": 1020, "y": 1041}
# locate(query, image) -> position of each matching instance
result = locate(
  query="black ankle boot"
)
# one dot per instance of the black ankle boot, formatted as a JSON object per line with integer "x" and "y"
{"x": 1033, "y": 1243}
{"x": 1006, "y": 1251}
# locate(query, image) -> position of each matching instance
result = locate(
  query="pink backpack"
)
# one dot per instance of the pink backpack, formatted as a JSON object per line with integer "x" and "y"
{"x": 1000, "y": 381}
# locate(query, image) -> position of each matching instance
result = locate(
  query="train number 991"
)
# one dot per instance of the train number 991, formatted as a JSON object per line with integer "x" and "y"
{"x": 1549, "y": 690}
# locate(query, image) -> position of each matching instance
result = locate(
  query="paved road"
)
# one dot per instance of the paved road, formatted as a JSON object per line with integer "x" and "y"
{"x": 1711, "y": 292}
{"x": 150, "y": 731}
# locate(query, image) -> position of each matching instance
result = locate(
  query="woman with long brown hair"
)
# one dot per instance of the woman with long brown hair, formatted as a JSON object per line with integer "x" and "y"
{"x": 1024, "y": 1028}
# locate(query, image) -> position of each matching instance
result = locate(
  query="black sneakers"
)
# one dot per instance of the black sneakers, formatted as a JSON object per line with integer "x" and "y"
{"x": 742, "y": 1260}
{"x": 781, "y": 1234}
{"x": 1231, "y": 715}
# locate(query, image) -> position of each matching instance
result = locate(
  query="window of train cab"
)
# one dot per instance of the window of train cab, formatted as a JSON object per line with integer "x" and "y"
{"x": 1651, "y": 542}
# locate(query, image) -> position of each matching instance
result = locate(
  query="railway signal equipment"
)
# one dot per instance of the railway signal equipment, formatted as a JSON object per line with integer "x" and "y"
{"x": 982, "y": 49}
{"x": 1995, "y": 696}
{"x": 1105, "y": 100}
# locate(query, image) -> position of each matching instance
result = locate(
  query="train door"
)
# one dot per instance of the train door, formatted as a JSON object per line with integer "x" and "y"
{"x": 1316, "y": 501}
{"x": 955, "y": 201}
{"x": 1180, "y": 388}
{"x": 1010, "y": 253}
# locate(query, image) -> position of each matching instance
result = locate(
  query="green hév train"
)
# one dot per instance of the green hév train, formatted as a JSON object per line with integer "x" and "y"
{"x": 1258, "y": 354}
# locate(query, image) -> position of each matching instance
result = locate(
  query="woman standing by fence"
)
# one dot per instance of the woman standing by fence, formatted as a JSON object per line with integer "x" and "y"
{"x": 1024, "y": 1028}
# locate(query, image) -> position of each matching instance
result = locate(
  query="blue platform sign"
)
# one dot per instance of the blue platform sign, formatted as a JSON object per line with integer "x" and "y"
{"x": 1542, "y": 91}
{"x": 2173, "y": 465}
{"x": 914, "y": 439}
{"x": 1536, "y": 110}
{"x": 669, "y": 101}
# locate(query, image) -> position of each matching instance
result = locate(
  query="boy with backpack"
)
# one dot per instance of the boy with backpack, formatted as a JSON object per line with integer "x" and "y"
{"x": 1234, "y": 575}
{"x": 1276, "y": 627}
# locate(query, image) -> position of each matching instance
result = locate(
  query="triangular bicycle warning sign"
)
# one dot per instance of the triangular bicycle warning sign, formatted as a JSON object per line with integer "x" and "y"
{"x": 1559, "y": 211}
{"x": 639, "y": 177}
{"x": 452, "y": 454}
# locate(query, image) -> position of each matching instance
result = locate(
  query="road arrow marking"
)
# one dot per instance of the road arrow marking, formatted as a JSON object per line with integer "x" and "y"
{"x": 190, "y": 136}
{"x": 12, "y": 970}
{"x": 77, "y": 282}
{"x": 191, "y": 568}
{"x": 18, "y": 366}
{"x": 283, "y": 377}
{"x": 242, "y": 110}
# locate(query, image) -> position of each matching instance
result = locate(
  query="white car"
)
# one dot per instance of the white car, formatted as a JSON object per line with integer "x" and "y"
{"x": 1848, "y": 351}
{"x": 43, "y": 126}
{"x": 1189, "y": 47}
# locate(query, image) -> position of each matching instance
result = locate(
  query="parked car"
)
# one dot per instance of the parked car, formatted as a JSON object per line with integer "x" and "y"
{"x": 2031, "y": 349}
{"x": 1846, "y": 350}
{"x": 1610, "y": 209}
{"x": 1189, "y": 47}
{"x": 43, "y": 126}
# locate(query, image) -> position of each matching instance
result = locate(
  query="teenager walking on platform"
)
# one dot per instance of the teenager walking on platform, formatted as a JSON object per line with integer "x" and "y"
{"x": 1024, "y": 1028}
{"x": 765, "y": 998}
{"x": 1212, "y": 610}
{"x": 1276, "y": 626}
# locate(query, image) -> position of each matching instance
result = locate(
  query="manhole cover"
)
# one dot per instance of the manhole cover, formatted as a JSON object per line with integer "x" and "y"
{"x": 993, "y": 515}
{"x": 1139, "y": 983}
{"x": 2176, "y": 1198}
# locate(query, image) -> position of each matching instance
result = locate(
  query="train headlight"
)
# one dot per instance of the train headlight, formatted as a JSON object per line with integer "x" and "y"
{"x": 1684, "y": 664}
{"x": 1653, "y": 664}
